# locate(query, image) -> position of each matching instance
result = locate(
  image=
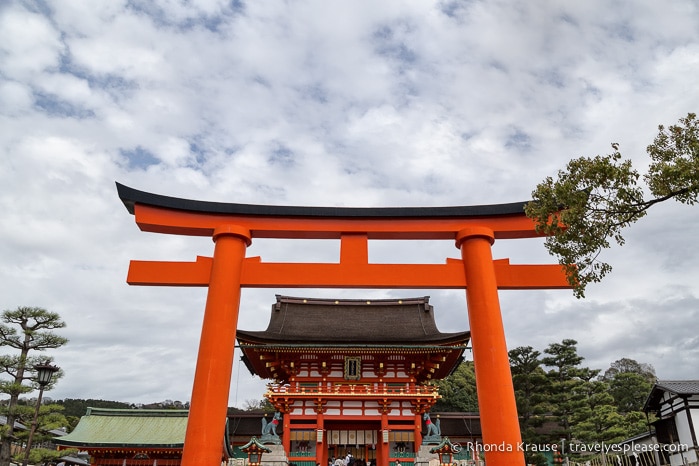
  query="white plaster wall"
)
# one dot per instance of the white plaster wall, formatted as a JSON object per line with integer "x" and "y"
{"x": 682, "y": 420}
{"x": 682, "y": 423}
{"x": 695, "y": 420}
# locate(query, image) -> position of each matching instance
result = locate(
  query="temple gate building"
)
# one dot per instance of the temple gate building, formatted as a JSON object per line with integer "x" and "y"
{"x": 351, "y": 376}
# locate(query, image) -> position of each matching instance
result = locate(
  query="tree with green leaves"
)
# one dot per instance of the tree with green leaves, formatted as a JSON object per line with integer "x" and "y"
{"x": 458, "y": 391}
{"x": 25, "y": 330}
{"x": 612, "y": 411}
{"x": 630, "y": 366}
{"x": 594, "y": 199}
{"x": 51, "y": 417}
{"x": 46, "y": 456}
{"x": 602, "y": 424}
{"x": 75, "y": 407}
{"x": 566, "y": 395}
{"x": 628, "y": 383}
{"x": 531, "y": 386}
{"x": 596, "y": 419}
{"x": 585, "y": 406}
{"x": 557, "y": 397}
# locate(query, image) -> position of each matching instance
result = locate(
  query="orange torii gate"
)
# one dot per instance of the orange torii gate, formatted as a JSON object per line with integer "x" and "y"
{"x": 233, "y": 226}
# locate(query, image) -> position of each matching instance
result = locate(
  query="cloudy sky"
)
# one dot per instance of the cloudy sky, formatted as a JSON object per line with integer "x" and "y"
{"x": 328, "y": 103}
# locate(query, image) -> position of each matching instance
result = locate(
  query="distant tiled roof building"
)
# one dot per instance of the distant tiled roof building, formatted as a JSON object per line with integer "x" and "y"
{"x": 112, "y": 435}
{"x": 676, "y": 405}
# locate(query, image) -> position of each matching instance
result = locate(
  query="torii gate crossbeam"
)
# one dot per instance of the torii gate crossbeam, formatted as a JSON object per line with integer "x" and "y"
{"x": 233, "y": 227}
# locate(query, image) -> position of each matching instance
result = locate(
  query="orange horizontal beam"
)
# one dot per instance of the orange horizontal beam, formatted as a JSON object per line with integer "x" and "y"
{"x": 258, "y": 274}
{"x": 170, "y": 221}
{"x": 162, "y": 273}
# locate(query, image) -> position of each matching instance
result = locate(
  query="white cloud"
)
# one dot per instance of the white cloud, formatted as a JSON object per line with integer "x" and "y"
{"x": 352, "y": 104}
{"x": 15, "y": 98}
{"x": 28, "y": 43}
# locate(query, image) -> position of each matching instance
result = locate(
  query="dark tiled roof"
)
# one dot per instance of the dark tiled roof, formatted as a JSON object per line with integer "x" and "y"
{"x": 677, "y": 387}
{"x": 318, "y": 321}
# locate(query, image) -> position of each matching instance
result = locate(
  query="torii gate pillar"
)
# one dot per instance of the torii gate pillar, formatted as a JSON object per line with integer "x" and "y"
{"x": 212, "y": 376}
{"x": 496, "y": 398}
{"x": 233, "y": 226}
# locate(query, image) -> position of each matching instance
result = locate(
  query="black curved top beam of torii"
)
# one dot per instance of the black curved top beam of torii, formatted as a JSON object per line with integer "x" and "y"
{"x": 130, "y": 197}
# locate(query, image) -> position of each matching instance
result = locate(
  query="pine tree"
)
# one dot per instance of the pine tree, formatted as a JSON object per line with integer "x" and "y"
{"x": 25, "y": 330}
{"x": 567, "y": 387}
{"x": 531, "y": 385}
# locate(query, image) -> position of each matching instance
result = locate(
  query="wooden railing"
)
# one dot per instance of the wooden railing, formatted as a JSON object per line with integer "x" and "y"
{"x": 358, "y": 389}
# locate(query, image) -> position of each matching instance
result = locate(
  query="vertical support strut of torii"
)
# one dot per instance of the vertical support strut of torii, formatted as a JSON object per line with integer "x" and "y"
{"x": 233, "y": 227}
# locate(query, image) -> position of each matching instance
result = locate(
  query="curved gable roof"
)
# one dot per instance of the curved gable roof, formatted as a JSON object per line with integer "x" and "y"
{"x": 387, "y": 321}
{"x": 101, "y": 427}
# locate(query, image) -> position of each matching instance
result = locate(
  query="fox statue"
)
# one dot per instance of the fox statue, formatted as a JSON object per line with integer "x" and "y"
{"x": 432, "y": 427}
{"x": 271, "y": 427}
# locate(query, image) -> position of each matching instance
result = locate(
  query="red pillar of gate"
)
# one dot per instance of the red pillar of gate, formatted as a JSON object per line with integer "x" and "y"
{"x": 417, "y": 431}
{"x": 286, "y": 433}
{"x": 212, "y": 378}
{"x": 382, "y": 445}
{"x": 496, "y": 397}
{"x": 321, "y": 445}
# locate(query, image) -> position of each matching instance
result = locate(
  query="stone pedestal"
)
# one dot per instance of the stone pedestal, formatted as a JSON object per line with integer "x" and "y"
{"x": 269, "y": 439}
{"x": 425, "y": 457}
{"x": 276, "y": 457}
{"x": 431, "y": 440}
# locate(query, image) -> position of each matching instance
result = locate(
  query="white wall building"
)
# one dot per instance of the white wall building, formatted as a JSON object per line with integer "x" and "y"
{"x": 675, "y": 403}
